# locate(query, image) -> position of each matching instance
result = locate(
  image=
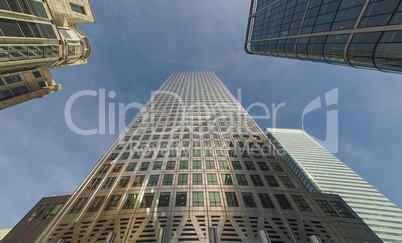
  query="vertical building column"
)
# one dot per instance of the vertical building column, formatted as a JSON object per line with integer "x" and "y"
{"x": 161, "y": 237}
{"x": 264, "y": 236}
{"x": 213, "y": 235}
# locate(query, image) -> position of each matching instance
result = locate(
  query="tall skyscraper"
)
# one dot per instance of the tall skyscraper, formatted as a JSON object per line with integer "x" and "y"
{"x": 355, "y": 33}
{"x": 193, "y": 166}
{"x": 37, "y": 36}
{"x": 321, "y": 171}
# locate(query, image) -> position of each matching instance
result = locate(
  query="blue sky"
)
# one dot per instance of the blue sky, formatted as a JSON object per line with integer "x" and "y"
{"x": 137, "y": 45}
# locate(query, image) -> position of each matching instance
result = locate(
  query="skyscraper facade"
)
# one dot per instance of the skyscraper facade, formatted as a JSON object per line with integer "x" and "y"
{"x": 36, "y": 36}
{"x": 321, "y": 171}
{"x": 355, "y": 33}
{"x": 193, "y": 166}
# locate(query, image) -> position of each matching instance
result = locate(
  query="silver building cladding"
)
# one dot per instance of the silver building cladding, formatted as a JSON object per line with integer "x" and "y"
{"x": 321, "y": 171}
{"x": 193, "y": 166}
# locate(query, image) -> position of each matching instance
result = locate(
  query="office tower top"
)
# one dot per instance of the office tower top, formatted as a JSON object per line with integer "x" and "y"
{"x": 193, "y": 166}
{"x": 358, "y": 33}
{"x": 36, "y": 36}
{"x": 321, "y": 171}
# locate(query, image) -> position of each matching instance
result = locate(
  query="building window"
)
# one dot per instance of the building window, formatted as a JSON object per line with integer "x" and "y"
{"x": 197, "y": 153}
{"x": 197, "y": 165}
{"x": 147, "y": 200}
{"x": 94, "y": 184}
{"x": 37, "y": 74}
{"x": 144, "y": 166}
{"x": 265, "y": 200}
{"x": 153, "y": 180}
{"x": 170, "y": 165}
{"x": 271, "y": 181}
{"x": 183, "y": 165}
{"x": 263, "y": 166}
{"x": 184, "y": 153}
{"x": 249, "y": 165}
{"x": 236, "y": 165}
{"x": 210, "y": 165}
{"x": 124, "y": 156}
{"x": 76, "y": 8}
{"x": 232, "y": 154}
{"x": 136, "y": 155}
{"x": 300, "y": 203}
{"x": 160, "y": 154}
{"x": 326, "y": 207}
{"x": 196, "y": 144}
{"x": 172, "y": 153}
{"x": 208, "y": 153}
{"x": 283, "y": 201}
{"x": 248, "y": 200}
{"x": 197, "y": 179}
{"x": 286, "y": 181}
{"x": 123, "y": 182}
{"x": 113, "y": 156}
{"x": 167, "y": 180}
{"x": 117, "y": 168}
{"x": 276, "y": 167}
{"x": 342, "y": 210}
{"x": 130, "y": 201}
{"x": 113, "y": 202}
{"x": 164, "y": 199}
{"x": 182, "y": 180}
{"x": 256, "y": 180}
{"x": 212, "y": 179}
{"x": 214, "y": 199}
{"x": 37, "y": 212}
{"x": 181, "y": 199}
{"x": 198, "y": 199}
{"x": 227, "y": 179}
{"x": 54, "y": 210}
{"x": 131, "y": 167}
{"x": 76, "y": 207}
{"x": 108, "y": 183}
{"x": 223, "y": 165}
{"x": 138, "y": 180}
{"x": 96, "y": 203}
{"x": 231, "y": 199}
{"x": 241, "y": 180}
{"x": 157, "y": 165}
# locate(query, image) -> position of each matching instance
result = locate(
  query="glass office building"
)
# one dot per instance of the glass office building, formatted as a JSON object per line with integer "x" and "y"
{"x": 356, "y": 33}
{"x": 193, "y": 166}
{"x": 321, "y": 171}
{"x": 36, "y": 36}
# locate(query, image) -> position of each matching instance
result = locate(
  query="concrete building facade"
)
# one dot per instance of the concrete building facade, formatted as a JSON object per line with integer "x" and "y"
{"x": 36, "y": 36}
{"x": 193, "y": 166}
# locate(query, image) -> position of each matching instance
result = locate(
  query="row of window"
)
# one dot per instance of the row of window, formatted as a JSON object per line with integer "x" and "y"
{"x": 246, "y": 147}
{"x": 17, "y": 28}
{"x": 196, "y": 153}
{"x": 368, "y": 49}
{"x": 27, "y": 7}
{"x": 196, "y": 165}
{"x": 51, "y": 211}
{"x": 186, "y": 125}
{"x": 333, "y": 208}
{"x": 286, "y": 18}
{"x": 197, "y": 179}
{"x": 181, "y": 201}
{"x": 15, "y": 53}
